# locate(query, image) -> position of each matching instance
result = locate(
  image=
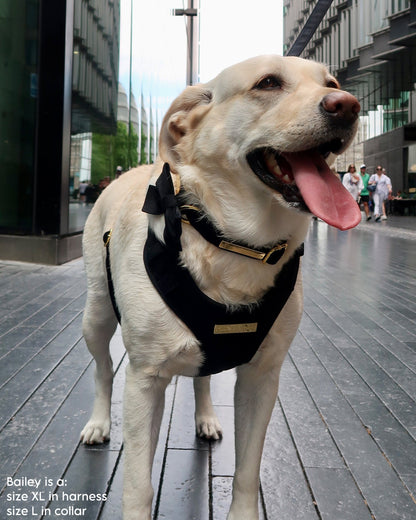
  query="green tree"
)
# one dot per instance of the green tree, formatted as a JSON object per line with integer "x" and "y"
{"x": 102, "y": 157}
{"x": 110, "y": 151}
{"x": 134, "y": 143}
{"x": 143, "y": 148}
{"x": 121, "y": 146}
{"x": 125, "y": 147}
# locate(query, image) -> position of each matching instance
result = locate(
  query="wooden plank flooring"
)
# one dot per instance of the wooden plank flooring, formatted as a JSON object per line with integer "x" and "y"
{"x": 341, "y": 444}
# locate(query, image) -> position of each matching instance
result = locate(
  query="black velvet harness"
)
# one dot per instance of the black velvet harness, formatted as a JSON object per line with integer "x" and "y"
{"x": 228, "y": 337}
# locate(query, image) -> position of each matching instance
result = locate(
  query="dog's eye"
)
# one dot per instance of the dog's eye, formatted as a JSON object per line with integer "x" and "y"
{"x": 332, "y": 83}
{"x": 268, "y": 83}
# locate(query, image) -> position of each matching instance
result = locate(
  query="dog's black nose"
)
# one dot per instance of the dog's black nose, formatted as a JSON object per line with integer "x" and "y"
{"x": 341, "y": 105}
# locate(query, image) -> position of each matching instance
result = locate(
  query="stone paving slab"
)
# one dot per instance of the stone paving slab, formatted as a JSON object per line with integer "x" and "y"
{"x": 341, "y": 444}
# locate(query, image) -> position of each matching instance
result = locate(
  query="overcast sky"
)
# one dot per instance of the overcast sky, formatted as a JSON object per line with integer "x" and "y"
{"x": 234, "y": 30}
{"x": 230, "y": 31}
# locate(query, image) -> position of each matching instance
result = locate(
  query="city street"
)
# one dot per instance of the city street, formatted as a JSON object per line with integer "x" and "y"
{"x": 341, "y": 444}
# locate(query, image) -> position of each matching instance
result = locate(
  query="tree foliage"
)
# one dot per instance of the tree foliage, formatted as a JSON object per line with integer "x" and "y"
{"x": 110, "y": 151}
{"x": 143, "y": 148}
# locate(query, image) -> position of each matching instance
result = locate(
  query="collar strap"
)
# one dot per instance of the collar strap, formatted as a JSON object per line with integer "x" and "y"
{"x": 198, "y": 220}
{"x": 161, "y": 199}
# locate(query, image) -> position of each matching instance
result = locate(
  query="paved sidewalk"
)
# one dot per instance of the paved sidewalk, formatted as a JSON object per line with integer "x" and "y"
{"x": 395, "y": 226}
{"x": 341, "y": 444}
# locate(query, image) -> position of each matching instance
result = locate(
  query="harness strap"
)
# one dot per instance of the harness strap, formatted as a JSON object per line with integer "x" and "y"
{"x": 227, "y": 337}
{"x": 106, "y": 239}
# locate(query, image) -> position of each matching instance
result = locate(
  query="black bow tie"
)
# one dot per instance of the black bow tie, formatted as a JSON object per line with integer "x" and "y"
{"x": 160, "y": 199}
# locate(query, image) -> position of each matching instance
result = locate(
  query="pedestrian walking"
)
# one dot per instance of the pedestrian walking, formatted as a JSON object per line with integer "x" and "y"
{"x": 365, "y": 194}
{"x": 381, "y": 193}
{"x": 352, "y": 181}
{"x": 82, "y": 187}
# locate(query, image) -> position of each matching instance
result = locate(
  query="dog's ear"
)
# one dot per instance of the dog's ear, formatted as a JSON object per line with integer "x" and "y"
{"x": 183, "y": 115}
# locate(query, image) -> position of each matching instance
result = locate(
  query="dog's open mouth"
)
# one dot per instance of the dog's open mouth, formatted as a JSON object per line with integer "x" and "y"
{"x": 306, "y": 182}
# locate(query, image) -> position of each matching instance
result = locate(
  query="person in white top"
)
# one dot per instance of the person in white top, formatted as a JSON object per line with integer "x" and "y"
{"x": 353, "y": 182}
{"x": 382, "y": 192}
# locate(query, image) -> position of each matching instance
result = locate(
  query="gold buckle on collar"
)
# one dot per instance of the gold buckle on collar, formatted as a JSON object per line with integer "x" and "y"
{"x": 279, "y": 247}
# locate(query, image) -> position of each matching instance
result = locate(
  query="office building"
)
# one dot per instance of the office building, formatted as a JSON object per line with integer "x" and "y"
{"x": 370, "y": 46}
{"x": 59, "y": 70}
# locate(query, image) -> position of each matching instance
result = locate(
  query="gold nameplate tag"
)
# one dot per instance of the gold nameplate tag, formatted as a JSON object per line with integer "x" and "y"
{"x": 241, "y": 250}
{"x": 235, "y": 328}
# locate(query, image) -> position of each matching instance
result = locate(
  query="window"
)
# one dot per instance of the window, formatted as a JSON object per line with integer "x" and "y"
{"x": 19, "y": 38}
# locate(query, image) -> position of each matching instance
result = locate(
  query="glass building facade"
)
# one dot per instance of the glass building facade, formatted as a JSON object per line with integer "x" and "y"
{"x": 371, "y": 47}
{"x": 152, "y": 65}
{"x": 19, "y": 72}
{"x": 95, "y": 61}
{"x": 59, "y": 70}
{"x": 60, "y": 133}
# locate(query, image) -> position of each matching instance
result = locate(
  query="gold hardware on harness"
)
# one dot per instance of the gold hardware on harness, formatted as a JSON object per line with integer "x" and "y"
{"x": 184, "y": 218}
{"x": 108, "y": 238}
{"x": 277, "y": 248}
{"x": 189, "y": 206}
{"x": 235, "y": 328}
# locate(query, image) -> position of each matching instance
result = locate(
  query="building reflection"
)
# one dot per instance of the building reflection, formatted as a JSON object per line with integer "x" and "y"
{"x": 65, "y": 122}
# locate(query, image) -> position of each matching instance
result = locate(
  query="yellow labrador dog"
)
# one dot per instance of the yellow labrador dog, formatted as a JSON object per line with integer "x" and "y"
{"x": 206, "y": 277}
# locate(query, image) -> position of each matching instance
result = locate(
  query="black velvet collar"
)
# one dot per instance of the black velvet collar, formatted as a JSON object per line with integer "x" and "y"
{"x": 160, "y": 199}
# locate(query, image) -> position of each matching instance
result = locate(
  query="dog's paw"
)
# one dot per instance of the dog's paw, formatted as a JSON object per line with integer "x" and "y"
{"x": 95, "y": 432}
{"x": 208, "y": 428}
{"x": 248, "y": 513}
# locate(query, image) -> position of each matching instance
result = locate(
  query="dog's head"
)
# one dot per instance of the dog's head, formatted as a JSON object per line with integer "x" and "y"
{"x": 271, "y": 123}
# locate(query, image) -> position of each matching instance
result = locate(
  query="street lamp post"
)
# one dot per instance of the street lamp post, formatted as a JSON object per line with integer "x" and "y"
{"x": 192, "y": 40}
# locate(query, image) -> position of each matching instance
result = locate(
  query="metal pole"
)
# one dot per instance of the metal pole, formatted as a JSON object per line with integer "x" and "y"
{"x": 130, "y": 87}
{"x": 192, "y": 65}
{"x": 192, "y": 36}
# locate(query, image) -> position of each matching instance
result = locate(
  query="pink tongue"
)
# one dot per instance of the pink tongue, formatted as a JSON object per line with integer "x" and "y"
{"x": 322, "y": 191}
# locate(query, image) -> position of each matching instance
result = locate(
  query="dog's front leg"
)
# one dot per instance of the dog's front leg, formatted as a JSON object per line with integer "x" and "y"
{"x": 255, "y": 396}
{"x": 207, "y": 424}
{"x": 144, "y": 399}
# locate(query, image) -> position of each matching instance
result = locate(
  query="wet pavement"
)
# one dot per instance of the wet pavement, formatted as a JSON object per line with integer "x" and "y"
{"x": 341, "y": 444}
